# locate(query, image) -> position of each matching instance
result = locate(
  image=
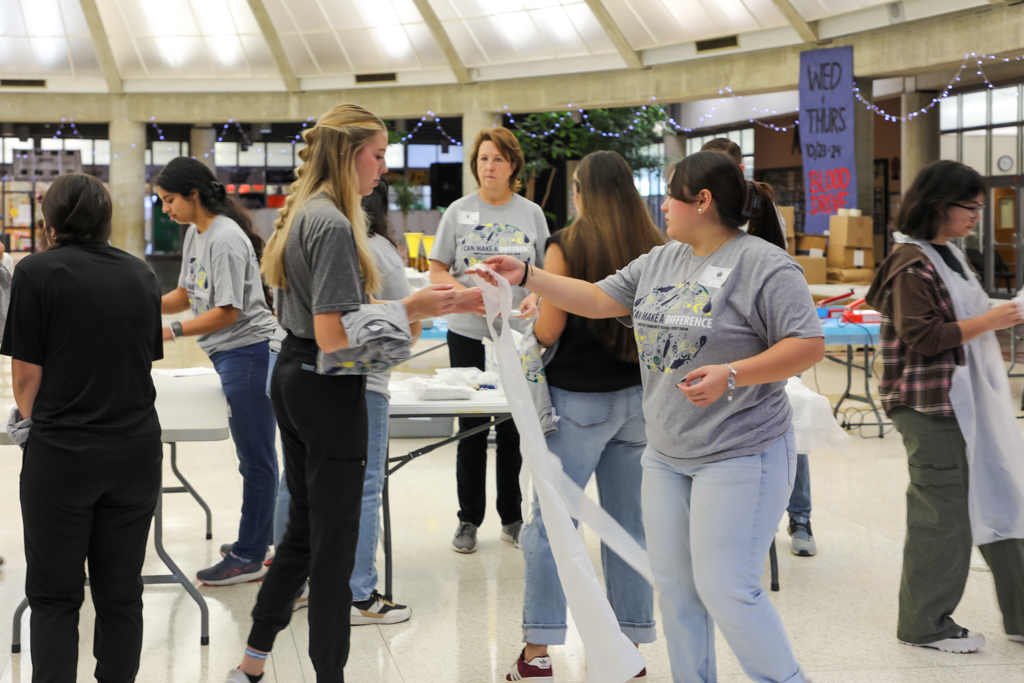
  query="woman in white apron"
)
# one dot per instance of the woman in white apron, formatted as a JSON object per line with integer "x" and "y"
{"x": 946, "y": 390}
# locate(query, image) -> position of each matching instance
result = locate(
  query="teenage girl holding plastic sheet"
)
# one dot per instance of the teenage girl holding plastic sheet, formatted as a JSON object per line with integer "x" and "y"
{"x": 596, "y": 390}
{"x": 319, "y": 262}
{"x": 722, "y": 319}
{"x": 220, "y": 282}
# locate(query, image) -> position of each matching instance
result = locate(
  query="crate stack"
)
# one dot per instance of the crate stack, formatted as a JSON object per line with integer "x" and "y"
{"x": 845, "y": 255}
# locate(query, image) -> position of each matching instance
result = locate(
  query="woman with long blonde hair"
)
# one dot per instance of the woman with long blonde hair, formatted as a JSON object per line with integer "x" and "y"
{"x": 320, "y": 262}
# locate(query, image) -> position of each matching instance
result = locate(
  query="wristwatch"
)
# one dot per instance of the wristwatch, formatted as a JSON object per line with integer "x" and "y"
{"x": 730, "y": 380}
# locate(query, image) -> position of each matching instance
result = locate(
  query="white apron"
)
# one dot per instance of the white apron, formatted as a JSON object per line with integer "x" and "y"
{"x": 980, "y": 394}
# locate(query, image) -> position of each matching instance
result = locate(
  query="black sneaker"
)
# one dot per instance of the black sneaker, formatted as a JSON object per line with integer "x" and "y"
{"x": 377, "y": 610}
{"x": 803, "y": 544}
{"x": 961, "y": 643}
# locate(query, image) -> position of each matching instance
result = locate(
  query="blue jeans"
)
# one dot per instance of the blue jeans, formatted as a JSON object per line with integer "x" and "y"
{"x": 364, "y": 574}
{"x": 602, "y": 434}
{"x": 800, "y": 501}
{"x": 709, "y": 528}
{"x": 243, "y": 376}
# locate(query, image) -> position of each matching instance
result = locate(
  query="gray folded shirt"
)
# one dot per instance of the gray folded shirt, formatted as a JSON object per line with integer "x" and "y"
{"x": 18, "y": 427}
{"x": 379, "y": 338}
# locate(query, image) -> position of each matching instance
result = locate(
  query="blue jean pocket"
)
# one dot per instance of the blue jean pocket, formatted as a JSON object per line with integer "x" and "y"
{"x": 584, "y": 410}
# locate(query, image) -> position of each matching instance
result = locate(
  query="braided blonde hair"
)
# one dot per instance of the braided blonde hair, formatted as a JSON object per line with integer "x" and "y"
{"x": 328, "y": 165}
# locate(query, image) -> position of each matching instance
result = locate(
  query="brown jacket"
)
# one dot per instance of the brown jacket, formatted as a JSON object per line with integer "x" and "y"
{"x": 921, "y": 341}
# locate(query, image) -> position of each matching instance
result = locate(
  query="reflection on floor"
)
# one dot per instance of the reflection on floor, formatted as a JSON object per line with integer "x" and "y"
{"x": 839, "y": 607}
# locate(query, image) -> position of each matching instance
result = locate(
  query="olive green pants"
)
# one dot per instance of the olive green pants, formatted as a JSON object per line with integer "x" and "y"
{"x": 937, "y": 552}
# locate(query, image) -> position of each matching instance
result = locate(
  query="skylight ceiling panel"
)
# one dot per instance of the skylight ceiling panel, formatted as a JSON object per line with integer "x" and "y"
{"x": 227, "y": 55}
{"x": 42, "y": 17}
{"x": 589, "y": 28}
{"x": 693, "y": 19}
{"x": 522, "y": 33}
{"x": 16, "y": 56}
{"x": 495, "y": 44}
{"x": 159, "y": 57}
{"x": 558, "y": 31}
{"x": 660, "y": 22}
{"x": 483, "y": 8}
{"x": 343, "y": 15}
{"x": 444, "y": 10}
{"x": 298, "y": 56}
{"x": 307, "y": 15}
{"x": 730, "y": 16}
{"x": 766, "y": 13}
{"x": 113, "y": 22}
{"x": 166, "y": 18}
{"x": 363, "y": 52}
{"x": 461, "y": 37}
{"x": 327, "y": 53}
{"x": 51, "y": 57}
{"x": 376, "y": 13}
{"x": 129, "y": 65}
{"x": 840, "y": 6}
{"x": 213, "y": 18}
{"x": 394, "y": 46}
{"x": 74, "y": 19}
{"x": 261, "y": 61}
{"x": 192, "y": 57}
{"x": 279, "y": 16}
{"x": 427, "y": 49}
{"x": 636, "y": 33}
{"x": 245, "y": 20}
{"x": 407, "y": 12}
{"x": 11, "y": 21}
{"x": 83, "y": 55}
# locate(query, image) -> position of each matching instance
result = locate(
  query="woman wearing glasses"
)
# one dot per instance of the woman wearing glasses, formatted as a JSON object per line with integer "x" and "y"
{"x": 946, "y": 390}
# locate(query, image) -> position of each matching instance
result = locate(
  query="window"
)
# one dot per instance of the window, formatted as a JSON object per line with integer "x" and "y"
{"x": 949, "y": 113}
{"x": 974, "y": 144}
{"x": 1004, "y": 151}
{"x": 979, "y": 136}
{"x": 948, "y": 147}
{"x": 254, "y": 156}
{"x": 975, "y": 109}
{"x": 101, "y": 153}
{"x": 226, "y": 154}
{"x": 83, "y": 146}
{"x": 394, "y": 157}
{"x": 13, "y": 146}
{"x": 279, "y": 155}
{"x": 164, "y": 151}
{"x": 1005, "y": 105}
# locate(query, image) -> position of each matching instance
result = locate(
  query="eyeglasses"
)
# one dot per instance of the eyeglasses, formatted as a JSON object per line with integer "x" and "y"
{"x": 975, "y": 210}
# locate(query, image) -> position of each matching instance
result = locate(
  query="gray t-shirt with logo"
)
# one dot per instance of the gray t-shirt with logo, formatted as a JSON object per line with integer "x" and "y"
{"x": 322, "y": 266}
{"x": 219, "y": 268}
{"x": 394, "y": 286}
{"x": 473, "y": 231}
{"x": 688, "y": 312}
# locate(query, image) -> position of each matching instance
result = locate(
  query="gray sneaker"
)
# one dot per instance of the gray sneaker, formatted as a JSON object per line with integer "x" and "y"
{"x": 465, "y": 538}
{"x": 803, "y": 539}
{"x": 510, "y": 532}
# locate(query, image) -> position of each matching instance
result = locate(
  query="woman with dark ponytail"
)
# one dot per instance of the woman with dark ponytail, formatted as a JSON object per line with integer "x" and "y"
{"x": 220, "y": 281}
{"x": 722, "y": 320}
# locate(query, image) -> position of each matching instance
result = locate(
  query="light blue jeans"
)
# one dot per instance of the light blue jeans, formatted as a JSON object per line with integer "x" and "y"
{"x": 709, "y": 528}
{"x": 602, "y": 434}
{"x": 364, "y": 574}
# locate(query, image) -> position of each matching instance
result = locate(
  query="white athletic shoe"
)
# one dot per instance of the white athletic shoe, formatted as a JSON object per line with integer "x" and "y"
{"x": 378, "y": 610}
{"x": 962, "y": 643}
{"x": 236, "y": 676}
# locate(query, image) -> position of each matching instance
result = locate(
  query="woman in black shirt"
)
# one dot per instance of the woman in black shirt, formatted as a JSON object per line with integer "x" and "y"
{"x": 82, "y": 331}
{"x": 596, "y": 390}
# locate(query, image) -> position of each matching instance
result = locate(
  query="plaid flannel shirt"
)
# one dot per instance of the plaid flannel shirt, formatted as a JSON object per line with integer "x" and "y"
{"x": 910, "y": 378}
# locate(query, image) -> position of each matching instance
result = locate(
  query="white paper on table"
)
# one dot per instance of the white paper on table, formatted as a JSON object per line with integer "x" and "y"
{"x": 184, "y": 372}
{"x": 813, "y": 423}
{"x": 611, "y": 657}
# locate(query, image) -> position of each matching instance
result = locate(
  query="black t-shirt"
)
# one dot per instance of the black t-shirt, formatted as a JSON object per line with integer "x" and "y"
{"x": 584, "y": 363}
{"x": 90, "y": 316}
{"x": 950, "y": 258}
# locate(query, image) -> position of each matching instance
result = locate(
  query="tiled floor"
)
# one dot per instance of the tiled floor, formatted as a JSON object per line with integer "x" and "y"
{"x": 839, "y": 607}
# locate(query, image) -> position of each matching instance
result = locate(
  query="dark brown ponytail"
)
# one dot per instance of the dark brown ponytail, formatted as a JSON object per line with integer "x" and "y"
{"x": 764, "y": 217}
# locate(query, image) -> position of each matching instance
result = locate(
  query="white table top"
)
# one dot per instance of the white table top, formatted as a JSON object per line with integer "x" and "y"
{"x": 190, "y": 409}
{"x": 482, "y": 403}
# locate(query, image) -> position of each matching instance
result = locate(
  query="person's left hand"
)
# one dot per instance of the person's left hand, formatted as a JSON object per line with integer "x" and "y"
{"x": 167, "y": 334}
{"x": 713, "y": 383}
{"x": 470, "y": 300}
{"x": 528, "y": 307}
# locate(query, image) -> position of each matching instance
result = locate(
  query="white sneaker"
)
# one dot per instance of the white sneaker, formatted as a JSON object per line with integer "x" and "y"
{"x": 302, "y": 600}
{"x": 236, "y": 676}
{"x": 378, "y": 610}
{"x": 225, "y": 548}
{"x": 1016, "y": 639}
{"x": 962, "y": 643}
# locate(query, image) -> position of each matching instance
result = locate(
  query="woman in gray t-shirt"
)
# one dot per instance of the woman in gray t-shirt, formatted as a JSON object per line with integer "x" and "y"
{"x": 722, "y": 319}
{"x": 220, "y": 282}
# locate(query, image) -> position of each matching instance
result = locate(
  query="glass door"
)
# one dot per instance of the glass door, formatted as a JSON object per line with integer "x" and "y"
{"x": 995, "y": 249}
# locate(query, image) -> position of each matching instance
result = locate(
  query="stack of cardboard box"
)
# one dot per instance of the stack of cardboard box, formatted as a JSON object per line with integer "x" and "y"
{"x": 851, "y": 249}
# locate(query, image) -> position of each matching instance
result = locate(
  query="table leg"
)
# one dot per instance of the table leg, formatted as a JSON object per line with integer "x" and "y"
{"x": 186, "y": 486}
{"x": 849, "y": 380}
{"x": 16, "y": 633}
{"x": 867, "y": 391}
{"x": 773, "y": 560}
{"x": 176, "y": 574}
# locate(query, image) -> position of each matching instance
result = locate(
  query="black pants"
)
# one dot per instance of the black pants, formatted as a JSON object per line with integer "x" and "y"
{"x": 324, "y": 435}
{"x": 471, "y": 460}
{"x": 68, "y": 519}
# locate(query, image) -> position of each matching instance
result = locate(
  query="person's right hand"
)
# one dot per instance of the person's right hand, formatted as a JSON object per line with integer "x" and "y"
{"x": 509, "y": 267}
{"x": 430, "y": 302}
{"x": 1004, "y": 316}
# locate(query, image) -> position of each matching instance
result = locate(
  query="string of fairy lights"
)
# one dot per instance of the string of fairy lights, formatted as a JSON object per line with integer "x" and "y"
{"x": 580, "y": 116}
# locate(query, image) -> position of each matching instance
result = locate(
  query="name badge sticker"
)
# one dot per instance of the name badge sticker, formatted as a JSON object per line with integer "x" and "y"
{"x": 714, "y": 277}
{"x": 470, "y": 217}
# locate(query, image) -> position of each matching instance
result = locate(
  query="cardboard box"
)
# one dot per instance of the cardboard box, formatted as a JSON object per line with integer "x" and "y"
{"x": 805, "y": 243}
{"x": 847, "y": 276}
{"x": 789, "y": 215}
{"x": 840, "y": 256}
{"x": 791, "y": 245}
{"x": 815, "y": 269}
{"x": 852, "y": 231}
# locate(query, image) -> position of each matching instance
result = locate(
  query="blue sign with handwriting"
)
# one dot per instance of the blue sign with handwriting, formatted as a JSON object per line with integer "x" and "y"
{"x": 826, "y": 135}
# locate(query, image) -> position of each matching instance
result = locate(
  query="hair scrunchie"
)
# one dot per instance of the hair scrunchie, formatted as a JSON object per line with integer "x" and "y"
{"x": 219, "y": 192}
{"x": 753, "y": 201}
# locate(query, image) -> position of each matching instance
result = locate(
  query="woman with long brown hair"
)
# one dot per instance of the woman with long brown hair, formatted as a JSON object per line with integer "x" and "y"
{"x": 321, "y": 265}
{"x": 595, "y": 384}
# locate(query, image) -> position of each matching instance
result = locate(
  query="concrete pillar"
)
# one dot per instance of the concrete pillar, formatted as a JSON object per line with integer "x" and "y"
{"x": 472, "y": 123}
{"x": 128, "y": 185}
{"x": 919, "y": 137}
{"x": 201, "y": 142}
{"x": 675, "y": 147}
{"x": 864, "y": 142}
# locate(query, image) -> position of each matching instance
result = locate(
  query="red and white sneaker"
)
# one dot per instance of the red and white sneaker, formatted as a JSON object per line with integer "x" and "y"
{"x": 537, "y": 670}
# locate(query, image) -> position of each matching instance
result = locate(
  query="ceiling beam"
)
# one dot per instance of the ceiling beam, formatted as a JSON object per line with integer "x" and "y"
{"x": 932, "y": 46}
{"x": 808, "y": 33}
{"x": 631, "y": 56}
{"x": 291, "y": 83}
{"x": 443, "y": 41}
{"x": 104, "y": 54}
